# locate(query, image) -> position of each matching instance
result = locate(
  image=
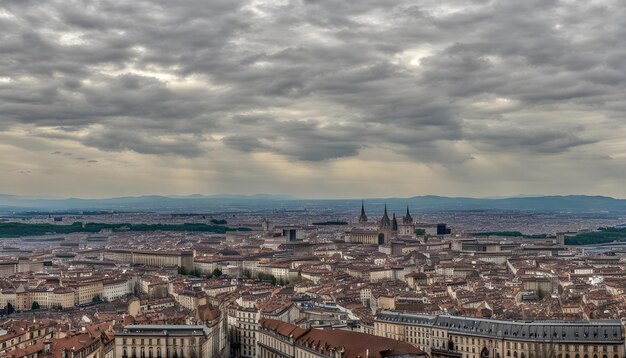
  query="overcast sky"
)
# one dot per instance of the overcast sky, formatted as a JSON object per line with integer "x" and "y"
{"x": 313, "y": 98}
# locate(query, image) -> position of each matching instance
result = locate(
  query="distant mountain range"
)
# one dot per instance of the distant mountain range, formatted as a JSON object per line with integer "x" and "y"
{"x": 227, "y": 203}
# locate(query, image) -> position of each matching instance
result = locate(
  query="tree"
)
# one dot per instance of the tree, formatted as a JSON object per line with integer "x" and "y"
{"x": 281, "y": 282}
{"x": 10, "y": 308}
{"x": 217, "y": 272}
{"x": 182, "y": 270}
{"x": 196, "y": 272}
{"x": 35, "y": 305}
{"x": 267, "y": 277}
{"x": 247, "y": 273}
{"x": 96, "y": 298}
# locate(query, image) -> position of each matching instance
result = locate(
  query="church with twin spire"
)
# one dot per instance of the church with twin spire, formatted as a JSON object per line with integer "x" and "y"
{"x": 386, "y": 229}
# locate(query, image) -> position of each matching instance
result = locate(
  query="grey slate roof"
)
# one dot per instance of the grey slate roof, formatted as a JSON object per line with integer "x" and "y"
{"x": 593, "y": 331}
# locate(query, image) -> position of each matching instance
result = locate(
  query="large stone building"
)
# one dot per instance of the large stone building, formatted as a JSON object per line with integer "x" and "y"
{"x": 152, "y": 258}
{"x": 161, "y": 341}
{"x": 386, "y": 230}
{"x": 243, "y": 326}
{"x": 69, "y": 295}
{"x": 466, "y": 337}
{"x": 281, "y": 339}
{"x": 117, "y": 288}
{"x": 22, "y": 264}
{"x": 407, "y": 227}
{"x": 19, "y": 335}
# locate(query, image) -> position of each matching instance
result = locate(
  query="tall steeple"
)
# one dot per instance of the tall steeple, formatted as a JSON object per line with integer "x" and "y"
{"x": 407, "y": 219}
{"x": 385, "y": 223}
{"x": 394, "y": 223}
{"x": 363, "y": 217}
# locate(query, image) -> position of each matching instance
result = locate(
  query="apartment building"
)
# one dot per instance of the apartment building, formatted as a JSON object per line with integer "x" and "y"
{"x": 160, "y": 341}
{"x": 152, "y": 258}
{"x": 243, "y": 327}
{"x": 466, "y": 337}
{"x": 24, "y": 334}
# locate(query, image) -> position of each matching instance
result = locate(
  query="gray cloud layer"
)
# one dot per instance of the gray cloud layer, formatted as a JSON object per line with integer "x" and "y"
{"x": 318, "y": 80}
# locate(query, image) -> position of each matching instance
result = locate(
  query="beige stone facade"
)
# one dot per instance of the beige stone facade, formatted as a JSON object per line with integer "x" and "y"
{"x": 161, "y": 341}
{"x": 447, "y": 336}
{"x": 153, "y": 258}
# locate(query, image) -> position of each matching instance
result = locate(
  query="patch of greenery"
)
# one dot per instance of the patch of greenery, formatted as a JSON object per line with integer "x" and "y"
{"x": 12, "y": 229}
{"x": 420, "y": 232}
{"x": 267, "y": 277}
{"x": 601, "y": 236}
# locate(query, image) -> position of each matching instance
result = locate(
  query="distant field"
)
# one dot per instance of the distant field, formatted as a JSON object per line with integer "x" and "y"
{"x": 12, "y": 230}
{"x": 603, "y": 235}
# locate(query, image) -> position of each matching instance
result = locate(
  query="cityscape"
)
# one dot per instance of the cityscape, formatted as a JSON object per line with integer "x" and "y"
{"x": 276, "y": 284}
{"x": 312, "y": 179}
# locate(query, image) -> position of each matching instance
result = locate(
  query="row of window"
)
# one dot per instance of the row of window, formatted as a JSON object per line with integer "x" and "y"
{"x": 173, "y": 341}
{"x": 462, "y": 344}
{"x": 174, "y": 353}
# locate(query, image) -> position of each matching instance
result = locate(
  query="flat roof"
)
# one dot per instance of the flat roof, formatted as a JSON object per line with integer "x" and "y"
{"x": 162, "y": 330}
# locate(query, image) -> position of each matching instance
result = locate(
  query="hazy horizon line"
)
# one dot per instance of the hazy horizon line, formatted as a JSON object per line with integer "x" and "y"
{"x": 293, "y": 197}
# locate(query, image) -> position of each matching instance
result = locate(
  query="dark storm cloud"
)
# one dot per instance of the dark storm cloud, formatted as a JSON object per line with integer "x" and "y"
{"x": 306, "y": 140}
{"x": 118, "y": 140}
{"x": 315, "y": 80}
{"x": 541, "y": 140}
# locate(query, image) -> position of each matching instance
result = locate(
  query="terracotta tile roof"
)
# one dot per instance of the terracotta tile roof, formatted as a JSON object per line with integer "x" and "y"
{"x": 353, "y": 344}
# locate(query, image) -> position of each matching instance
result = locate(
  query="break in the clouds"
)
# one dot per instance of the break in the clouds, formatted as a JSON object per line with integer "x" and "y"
{"x": 313, "y": 97}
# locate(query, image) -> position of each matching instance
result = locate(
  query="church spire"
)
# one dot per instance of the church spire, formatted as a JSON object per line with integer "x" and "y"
{"x": 407, "y": 219}
{"x": 394, "y": 223}
{"x": 385, "y": 222}
{"x": 362, "y": 217}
